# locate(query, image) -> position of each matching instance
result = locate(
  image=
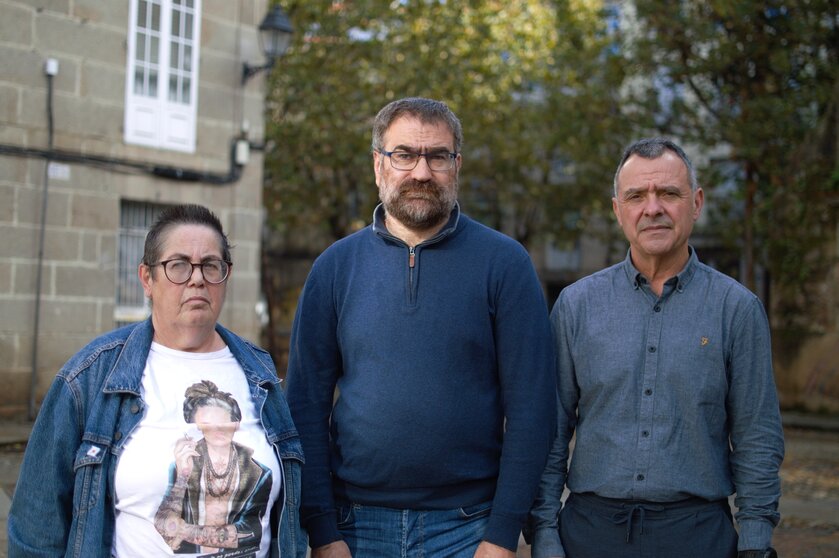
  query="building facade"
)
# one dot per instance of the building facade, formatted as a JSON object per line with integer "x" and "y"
{"x": 110, "y": 111}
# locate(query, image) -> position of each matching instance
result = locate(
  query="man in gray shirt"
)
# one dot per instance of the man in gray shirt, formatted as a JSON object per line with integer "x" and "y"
{"x": 665, "y": 377}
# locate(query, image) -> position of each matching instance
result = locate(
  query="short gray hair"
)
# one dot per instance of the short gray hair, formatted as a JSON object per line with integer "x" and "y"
{"x": 427, "y": 111}
{"x": 186, "y": 214}
{"x": 653, "y": 148}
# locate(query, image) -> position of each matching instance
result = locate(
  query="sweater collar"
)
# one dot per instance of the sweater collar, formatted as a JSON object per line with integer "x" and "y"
{"x": 380, "y": 229}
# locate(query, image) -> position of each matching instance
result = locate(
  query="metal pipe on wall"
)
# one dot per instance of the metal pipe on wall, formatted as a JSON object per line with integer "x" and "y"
{"x": 51, "y": 69}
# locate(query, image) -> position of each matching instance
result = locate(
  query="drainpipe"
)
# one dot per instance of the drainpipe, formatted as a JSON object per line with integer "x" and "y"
{"x": 51, "y": 70}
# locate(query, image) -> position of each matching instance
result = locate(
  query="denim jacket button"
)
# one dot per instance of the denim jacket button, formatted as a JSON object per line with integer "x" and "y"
{"x": 135, "y": 409}
{"x": 117, "y": 436}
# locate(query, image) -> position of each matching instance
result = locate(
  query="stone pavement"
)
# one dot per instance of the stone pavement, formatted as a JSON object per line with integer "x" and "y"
{"x": 13, "y": 436}
{"x": 810, "y": 476}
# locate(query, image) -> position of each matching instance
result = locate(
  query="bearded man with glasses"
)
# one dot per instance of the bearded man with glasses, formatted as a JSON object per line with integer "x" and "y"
{"x": 434, "y": 330}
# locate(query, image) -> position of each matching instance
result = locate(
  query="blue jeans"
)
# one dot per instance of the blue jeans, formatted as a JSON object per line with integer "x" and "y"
{"x": 374, "y": 532}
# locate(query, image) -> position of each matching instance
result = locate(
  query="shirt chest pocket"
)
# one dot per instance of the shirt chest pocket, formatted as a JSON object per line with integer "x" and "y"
{"x": 88, "y": 468}
{"x": 696, "y": 360}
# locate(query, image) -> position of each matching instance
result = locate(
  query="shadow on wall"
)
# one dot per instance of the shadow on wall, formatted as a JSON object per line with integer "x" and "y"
{"x": 807, "y": 371}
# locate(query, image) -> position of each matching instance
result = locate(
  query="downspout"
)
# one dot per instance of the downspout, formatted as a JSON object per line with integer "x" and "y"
{"x": 51, "y": 69}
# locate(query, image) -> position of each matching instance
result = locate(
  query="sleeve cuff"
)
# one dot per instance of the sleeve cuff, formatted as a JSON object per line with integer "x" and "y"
{"x": 546, "y": 544}
{"x": 755, "y": 534}
{"x": 503, "y": 531}
{"x": 322, "y": 529}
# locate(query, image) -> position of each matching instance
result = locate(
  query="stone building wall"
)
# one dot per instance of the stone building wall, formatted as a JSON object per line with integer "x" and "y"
{"x": 89, "y": 40}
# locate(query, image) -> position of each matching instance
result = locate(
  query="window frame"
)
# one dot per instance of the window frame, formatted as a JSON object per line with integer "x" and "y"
{"x": 156, "y": 121}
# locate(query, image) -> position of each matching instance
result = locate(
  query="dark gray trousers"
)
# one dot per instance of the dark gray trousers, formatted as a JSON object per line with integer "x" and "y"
{"x": 595, "y": 527}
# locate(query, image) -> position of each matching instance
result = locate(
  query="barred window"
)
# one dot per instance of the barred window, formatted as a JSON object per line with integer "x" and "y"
{"x": 135, "y": 219}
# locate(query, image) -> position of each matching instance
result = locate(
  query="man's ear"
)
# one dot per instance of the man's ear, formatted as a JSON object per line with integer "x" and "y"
{"x": 698, "y": 202}
{"x": 615, "y": 211}
{"x": 377, "y": 166}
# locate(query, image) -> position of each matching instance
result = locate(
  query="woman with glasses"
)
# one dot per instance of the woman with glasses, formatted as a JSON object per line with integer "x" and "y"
{"x": 148, "y": 413}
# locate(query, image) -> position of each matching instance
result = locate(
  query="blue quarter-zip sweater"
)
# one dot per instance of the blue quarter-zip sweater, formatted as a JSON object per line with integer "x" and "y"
{"x": 444, "y": 365}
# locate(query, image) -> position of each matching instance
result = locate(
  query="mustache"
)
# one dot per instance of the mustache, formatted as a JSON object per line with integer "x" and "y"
{"x": 417, "y": 185}
{"x": 655, "y": 223}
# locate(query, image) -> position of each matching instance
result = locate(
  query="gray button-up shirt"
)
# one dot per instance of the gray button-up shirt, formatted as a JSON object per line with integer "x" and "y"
{"x": 670, "y": 397}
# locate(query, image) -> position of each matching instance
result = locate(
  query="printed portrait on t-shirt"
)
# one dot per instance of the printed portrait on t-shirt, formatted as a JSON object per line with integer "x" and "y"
{"x": 217, "y": 491}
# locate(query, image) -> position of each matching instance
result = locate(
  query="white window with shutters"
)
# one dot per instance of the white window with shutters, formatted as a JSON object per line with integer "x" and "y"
{"x": 161, "y": 88}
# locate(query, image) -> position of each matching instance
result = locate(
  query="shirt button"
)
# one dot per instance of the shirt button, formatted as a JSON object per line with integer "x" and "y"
{"x": 639, "y": 477}
{"x": 648, "y": 391}
{"x": 645, "y": 433}
{"x": 651, "y": 349}
{"x": 657, "y": 308}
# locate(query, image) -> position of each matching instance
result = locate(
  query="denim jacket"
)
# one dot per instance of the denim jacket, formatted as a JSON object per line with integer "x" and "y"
{"x": 64, "y": 499}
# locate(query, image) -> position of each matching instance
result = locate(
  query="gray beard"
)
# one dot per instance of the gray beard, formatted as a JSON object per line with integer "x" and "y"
{"x": 421, "y": 214}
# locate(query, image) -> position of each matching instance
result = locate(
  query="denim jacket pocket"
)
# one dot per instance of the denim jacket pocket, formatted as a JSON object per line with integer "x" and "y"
{"x": 88, "y": 467}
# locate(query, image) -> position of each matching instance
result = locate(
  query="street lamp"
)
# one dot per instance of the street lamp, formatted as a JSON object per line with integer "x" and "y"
{"x": 274, "y": 37}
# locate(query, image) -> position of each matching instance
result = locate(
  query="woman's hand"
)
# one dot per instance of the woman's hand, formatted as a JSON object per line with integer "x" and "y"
{"x": 171, "y": 528}
{"x": 184, "y": 452}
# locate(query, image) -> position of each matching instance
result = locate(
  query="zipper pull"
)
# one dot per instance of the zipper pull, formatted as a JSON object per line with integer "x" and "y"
{"x": 411, "y": 257}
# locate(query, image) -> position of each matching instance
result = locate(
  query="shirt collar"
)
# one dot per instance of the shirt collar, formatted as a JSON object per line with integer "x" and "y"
{"x": 636, "y": 279}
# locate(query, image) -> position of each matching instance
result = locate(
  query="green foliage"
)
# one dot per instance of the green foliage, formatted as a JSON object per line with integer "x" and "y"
{"x": 760, "y": 78}
{"x": 532, "y": 81}
{"x": 549, "y": 91}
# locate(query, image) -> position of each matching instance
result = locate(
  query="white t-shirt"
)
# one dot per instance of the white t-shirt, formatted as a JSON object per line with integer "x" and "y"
{"x": 237, "y": 493}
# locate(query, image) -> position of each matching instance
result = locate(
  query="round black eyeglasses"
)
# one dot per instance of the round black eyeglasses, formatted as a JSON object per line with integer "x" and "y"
{"x": 178, "y": 270}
